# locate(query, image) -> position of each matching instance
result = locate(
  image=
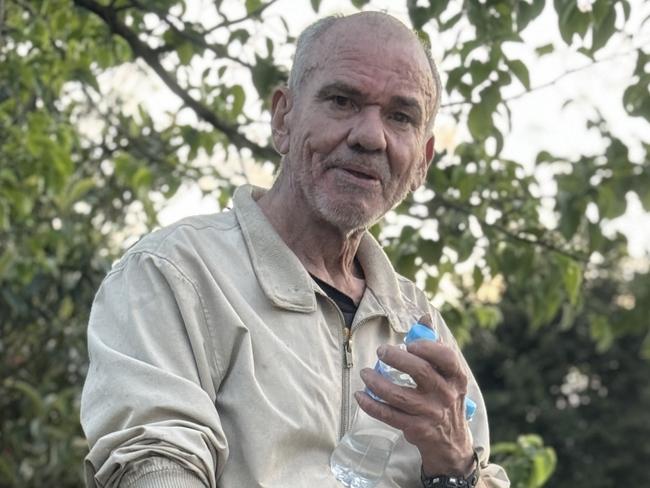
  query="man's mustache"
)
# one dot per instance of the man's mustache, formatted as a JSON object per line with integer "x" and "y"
{"x": 374, "y": 166}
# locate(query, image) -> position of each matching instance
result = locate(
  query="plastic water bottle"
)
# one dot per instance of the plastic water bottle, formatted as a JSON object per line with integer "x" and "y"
{"x": 360, "y": 458}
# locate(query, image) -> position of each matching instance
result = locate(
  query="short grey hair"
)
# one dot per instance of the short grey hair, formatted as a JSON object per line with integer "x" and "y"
{"x": 306, "y": 43}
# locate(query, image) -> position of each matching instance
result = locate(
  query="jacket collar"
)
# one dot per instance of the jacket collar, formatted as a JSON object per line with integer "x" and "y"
{"x": 286, "y": 282}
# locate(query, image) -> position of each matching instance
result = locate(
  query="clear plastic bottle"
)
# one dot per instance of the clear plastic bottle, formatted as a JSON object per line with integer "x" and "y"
{"x": 360, "y": 458}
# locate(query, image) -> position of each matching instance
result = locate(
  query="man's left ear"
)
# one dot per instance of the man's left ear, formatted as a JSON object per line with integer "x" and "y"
{"x": 281, "y": 104}
{"x": 424, "y": 163}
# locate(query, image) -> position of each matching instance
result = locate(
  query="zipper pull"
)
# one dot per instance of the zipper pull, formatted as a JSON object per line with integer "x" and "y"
{"x": 347, "y": 347}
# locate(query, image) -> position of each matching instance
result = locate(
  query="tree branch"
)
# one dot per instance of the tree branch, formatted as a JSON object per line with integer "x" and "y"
{"x": 255, "y": 13}
{"x": 512, "y": 235}
{"x": 194, "y": 38}
{"x": 149, "y": 56}
{"x": 551, "y": 82}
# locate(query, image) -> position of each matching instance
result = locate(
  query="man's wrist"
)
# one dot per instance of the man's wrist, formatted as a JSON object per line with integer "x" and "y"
{"x": 459, "y": 463}
{"x": 453, "y": 480}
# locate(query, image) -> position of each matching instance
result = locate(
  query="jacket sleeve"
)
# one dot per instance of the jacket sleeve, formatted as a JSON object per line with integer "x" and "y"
{"x": 493, "y": 475}
{"x": 148, "y": 403}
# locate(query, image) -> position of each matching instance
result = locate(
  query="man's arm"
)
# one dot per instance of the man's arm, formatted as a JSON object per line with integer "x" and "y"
{"x": 432, "y": 416}
{"x": 148, "y": 402}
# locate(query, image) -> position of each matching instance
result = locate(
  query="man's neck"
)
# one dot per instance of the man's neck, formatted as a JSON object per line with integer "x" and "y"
{"x": 324, "y": 250}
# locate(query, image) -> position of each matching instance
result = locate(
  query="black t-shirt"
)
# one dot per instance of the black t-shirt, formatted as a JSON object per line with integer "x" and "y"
{"x": 344, "y": 302}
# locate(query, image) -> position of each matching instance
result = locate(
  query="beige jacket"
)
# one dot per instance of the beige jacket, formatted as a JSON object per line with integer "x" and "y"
{"x": 215, "y": 360}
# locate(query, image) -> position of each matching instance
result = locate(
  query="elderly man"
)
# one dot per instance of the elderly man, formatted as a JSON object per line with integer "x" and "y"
{"x": 227, "y": 350}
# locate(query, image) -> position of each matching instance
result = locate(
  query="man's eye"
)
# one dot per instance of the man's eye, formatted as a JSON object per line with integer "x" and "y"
{"x": 401, "y": 117}
{"x": 341, "y": 101}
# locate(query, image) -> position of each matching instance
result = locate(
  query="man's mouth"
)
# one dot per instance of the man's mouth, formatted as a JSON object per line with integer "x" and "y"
{"x": 359, "y": 174}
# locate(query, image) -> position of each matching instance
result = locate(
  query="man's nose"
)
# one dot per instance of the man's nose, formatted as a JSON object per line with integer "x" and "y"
{"x": 367, "y": 133}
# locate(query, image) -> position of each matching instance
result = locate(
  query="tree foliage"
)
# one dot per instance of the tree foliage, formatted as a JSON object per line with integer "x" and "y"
{"x": 78, "y": 164}
{"x": 588, "y": 397}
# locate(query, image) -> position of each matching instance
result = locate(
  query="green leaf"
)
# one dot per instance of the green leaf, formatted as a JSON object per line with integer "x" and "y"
{"x": 66, "y": 308}
{"x": 468, "y": 47}
{"x": 480, "y": 71}
{"x": 571, "y": 213}
{"x": 544, "y": 157}
{"x": 419, "y": 16}
{"x": 266, "y": 76}
{"x": 520, "y": 70}
{"x": 571, "y": 277}
{"x": 142, "y": 178}
{"x": 601, "y": 332}
{"x": 78, "y": 190}
{"x": 185, "y": 53}
{"x": 241, "y": 35}
{"x": 452, "y": 21}
{"x": 571, "y": 20}
{"x": 431, "y": 284}
{"x": 604, "y": 30}
{"x": 596, "y": 238}
{"x": 315, "y": 5}
{"x": 239, "y": 97}
{"x": 545, "y": 49}
{"x": 544, "y": 464}
{"x": 479, "y": 122}
{"x": 636, "y": 100}
{"x": 610, "y": 204}
{"x": 252, "y": 6}
{"x": 527, "y": 11}
{"x": 359, "y": 3}
{"x": 430, "y": 251}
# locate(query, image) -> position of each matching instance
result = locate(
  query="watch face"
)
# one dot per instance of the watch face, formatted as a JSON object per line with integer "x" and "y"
{"x": 443, "y": 481}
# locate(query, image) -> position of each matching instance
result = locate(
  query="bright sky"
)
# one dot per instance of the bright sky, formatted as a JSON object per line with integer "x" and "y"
{"x": 539, "y": 122}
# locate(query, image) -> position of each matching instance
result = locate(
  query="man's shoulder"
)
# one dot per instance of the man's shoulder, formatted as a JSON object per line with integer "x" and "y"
{"x": 409, "y": 289}
{"x": 192, "y": 235}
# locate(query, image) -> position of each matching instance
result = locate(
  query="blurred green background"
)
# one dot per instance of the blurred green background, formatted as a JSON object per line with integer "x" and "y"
{"x": 113, "y": 112}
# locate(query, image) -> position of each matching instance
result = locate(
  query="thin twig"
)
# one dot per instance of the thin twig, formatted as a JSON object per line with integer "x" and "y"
{"x": 512, "y": 235}
{"x": 553, "y": 81}
{"x": 149, "y": 56}
{"x": 195, "y": 38}
{"x": 229, "y": 23}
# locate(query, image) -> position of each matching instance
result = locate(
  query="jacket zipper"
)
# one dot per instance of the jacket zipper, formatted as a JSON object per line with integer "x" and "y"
{"x": 347, "y": 373}
{"x": 347, "y": 370}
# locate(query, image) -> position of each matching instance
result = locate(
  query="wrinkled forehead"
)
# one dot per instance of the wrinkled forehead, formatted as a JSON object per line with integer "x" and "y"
{"x": 364, "y": 43}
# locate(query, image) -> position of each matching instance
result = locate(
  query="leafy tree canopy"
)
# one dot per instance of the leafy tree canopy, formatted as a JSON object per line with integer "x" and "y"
{"x": 79, "y": 164}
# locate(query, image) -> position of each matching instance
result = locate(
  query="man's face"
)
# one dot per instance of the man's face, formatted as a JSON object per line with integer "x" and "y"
{"x": 357, "y": 129}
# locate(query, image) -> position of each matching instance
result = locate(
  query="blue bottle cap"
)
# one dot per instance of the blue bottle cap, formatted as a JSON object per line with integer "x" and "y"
{"x": 419, "y": 332}
{"x": 470, "y": 408}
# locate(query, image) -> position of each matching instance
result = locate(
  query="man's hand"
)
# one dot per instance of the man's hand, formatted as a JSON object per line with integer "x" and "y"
{"x": 432, "y": 416}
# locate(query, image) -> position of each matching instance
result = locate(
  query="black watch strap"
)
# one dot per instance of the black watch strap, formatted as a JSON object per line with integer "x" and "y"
{"x": 447, "y": 481}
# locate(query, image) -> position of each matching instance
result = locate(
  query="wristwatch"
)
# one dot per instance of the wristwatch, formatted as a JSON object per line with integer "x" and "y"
{"x": 446, "y": 481}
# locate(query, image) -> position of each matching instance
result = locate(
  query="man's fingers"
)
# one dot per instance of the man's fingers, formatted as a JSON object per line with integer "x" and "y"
{"x": 382, "y": 411}
{"x": 442, "y": 358}
{"x": 406, "y": 399}
{"x": 422, "y": 372}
